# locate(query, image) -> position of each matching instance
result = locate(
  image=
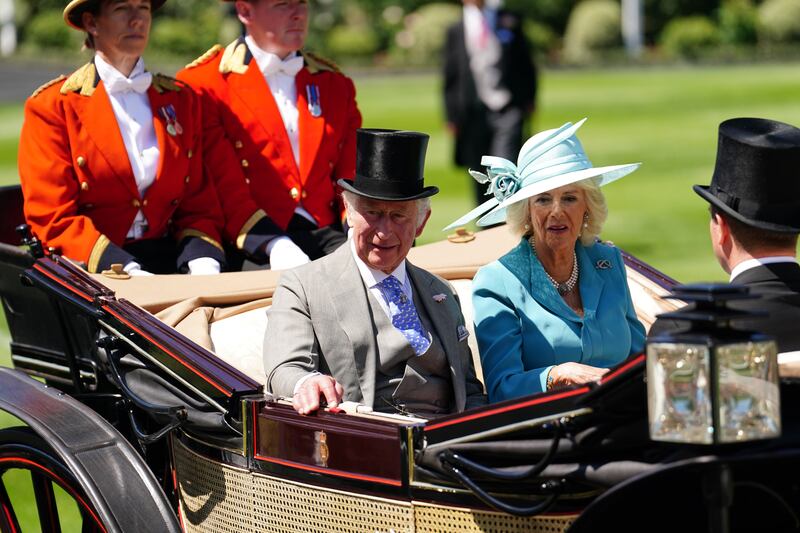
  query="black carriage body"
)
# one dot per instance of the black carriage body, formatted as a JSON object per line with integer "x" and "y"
{"x": 197, "y": 437}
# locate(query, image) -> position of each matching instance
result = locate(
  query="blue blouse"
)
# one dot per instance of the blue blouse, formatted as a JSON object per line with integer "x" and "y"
{"x": 524, "y": 327}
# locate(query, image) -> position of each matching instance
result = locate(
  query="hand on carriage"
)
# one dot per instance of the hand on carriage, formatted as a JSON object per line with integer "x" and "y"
{"x": 567, "y": 374}
{"x": 285, "y": 254}
{"x": 203, "y": 266}
{"x": 135, "y": 269}
{"x": 306, "y": 398}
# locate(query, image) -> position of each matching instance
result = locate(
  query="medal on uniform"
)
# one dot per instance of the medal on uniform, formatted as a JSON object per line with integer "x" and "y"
{"x": 173, "y": 126}
{"x": 312, "y": 95}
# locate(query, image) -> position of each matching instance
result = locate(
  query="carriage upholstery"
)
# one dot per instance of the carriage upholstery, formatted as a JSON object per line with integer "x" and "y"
{"x": 229, "y": 317}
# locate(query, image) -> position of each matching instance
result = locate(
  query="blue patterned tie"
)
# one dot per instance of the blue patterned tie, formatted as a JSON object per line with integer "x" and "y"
{"x": 404, "y": 315}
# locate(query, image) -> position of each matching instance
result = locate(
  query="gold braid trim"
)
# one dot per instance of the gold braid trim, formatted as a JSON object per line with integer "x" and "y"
{"x": 46, "y": 85}
{"x": 317, "y": 63}
{"x": 81, "y": 80}
{"x": 200, "y": 235}
{"x": 247, "y": 226}
{"x": 98, "y": 250}
{"x": 233, "y": 58}
{"x": 163, "y": 83}
{"x": 206, "y": 57}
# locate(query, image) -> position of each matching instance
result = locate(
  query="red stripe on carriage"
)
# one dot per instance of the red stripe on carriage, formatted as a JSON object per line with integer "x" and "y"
{"x": 183, "y": 361}
{"x": 507, "y": 408}
{"x": 63, "y": 483}
{"x": 9, "y": 520}
{"x": 338, "y": 473}
{"x": 627, "y": 366}
{"x": 63, "y": 284}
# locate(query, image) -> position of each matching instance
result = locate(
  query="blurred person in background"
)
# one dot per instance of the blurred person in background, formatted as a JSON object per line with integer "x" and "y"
{"x": 754, "y": 201}
{"x": 490, "y": 85}
{"x": 555, "y": 310}
{"x": 110, "y": 157}
{"x": 280, "y": 128}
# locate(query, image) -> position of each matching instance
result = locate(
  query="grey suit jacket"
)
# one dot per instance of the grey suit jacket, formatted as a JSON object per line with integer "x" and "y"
{"x": 320, "y": 320}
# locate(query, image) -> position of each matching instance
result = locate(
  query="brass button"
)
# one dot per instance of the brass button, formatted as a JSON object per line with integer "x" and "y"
{"x": 136, "y": 203}
{"x": 247, "y": 181}
{"x": 295, "y": 193}
{"x": 245, "y": 163}
{"x": 175, "y": 201}
{"x": 238, "y": 144}
{"x": 189, "y": 154}
{"x": 186, "y": 179}
{"x": 144, "y": 203}
{"x": 84, "y": 185}
{"x": 304, "y": 194}
{"x": 330, "y": 164}
{"x": 81, "y": 161}
{"x": 88, "y": 206}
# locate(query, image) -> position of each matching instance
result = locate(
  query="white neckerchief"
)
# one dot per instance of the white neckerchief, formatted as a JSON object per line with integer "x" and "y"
{"x": 753, "y": 263}
{"x": 135, "y": 119}
{"x": 372, "y": 277}
{"x": 284, "y": 91}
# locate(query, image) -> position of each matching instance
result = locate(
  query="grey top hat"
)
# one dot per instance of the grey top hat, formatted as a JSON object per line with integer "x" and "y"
{"x": 757, "y": 174}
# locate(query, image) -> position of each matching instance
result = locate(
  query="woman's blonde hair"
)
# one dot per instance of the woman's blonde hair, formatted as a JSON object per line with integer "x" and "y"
{"x": 518, "y": 215}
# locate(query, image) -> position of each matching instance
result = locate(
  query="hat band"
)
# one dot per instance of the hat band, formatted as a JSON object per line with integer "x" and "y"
{"x": 786, "y": 214}
{"x": 384, "y": 187}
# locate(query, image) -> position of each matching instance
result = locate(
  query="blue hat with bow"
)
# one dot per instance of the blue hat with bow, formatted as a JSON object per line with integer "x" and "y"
{"x": 548, "y": 160}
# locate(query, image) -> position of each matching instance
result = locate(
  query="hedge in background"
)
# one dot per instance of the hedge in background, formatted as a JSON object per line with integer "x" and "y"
{"x": 688, "y": 37}
{"x": 47, "y": 31}
{"x": 594, "y": 26}
{"x": 779, "y": 21}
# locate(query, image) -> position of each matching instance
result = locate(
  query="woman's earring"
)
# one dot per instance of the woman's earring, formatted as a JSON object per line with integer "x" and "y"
{"x": 586, "y": 220}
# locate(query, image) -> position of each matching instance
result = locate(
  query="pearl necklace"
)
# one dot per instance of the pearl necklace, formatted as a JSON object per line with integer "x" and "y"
{"x": 567, "y": 286}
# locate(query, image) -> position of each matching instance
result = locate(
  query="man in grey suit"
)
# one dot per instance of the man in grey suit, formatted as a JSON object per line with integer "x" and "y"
{"x": 363, "y": 324}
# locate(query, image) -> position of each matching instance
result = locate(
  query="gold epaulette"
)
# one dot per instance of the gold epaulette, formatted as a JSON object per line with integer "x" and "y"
{"x": 81, "y": 80}
{"x": 233, "y": 58}
{"x": 316, "y": 63}
{"x": 206, "y": 57}
{"x": 46, "y": 85}
{"x": 163, "y": 83}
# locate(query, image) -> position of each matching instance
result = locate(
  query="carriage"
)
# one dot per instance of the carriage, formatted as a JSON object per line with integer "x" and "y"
{"x": 148, "y": 411}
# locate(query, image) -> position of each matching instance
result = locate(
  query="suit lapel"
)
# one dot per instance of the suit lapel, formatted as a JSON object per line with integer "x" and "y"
{"x": 445, "y": 324}
{"x": 311, "y": 128}
{"x": 351, "y": 309}
{"x": 98, "y": 120}
{"x": 254, "y": 92}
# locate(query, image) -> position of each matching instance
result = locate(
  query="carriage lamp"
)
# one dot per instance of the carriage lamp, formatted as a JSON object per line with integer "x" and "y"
{"x": 710, "y": 383}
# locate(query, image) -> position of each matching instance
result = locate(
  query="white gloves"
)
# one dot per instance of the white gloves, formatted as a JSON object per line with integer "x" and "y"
{"x": 135, "y": 269}
{"x": 284, "y": 254}
{"x": 203, "y": 266}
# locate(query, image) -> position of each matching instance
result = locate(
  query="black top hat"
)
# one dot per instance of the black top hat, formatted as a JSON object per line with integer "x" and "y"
{"x": 389, "y": 165}
{"x": 757, "y": 175}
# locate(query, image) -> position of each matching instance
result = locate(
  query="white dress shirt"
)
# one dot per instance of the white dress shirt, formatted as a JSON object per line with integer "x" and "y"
{"x": 135, "y": 119}
{"x": 373, "y": 277}
{"x": 753, "y": 263}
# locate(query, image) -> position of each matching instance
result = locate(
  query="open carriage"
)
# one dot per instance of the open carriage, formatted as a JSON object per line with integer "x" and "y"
{"x": 150, "y": 413}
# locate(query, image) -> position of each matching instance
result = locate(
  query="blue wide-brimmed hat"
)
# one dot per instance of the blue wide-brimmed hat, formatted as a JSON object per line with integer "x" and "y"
{"x": 548, "y": 160}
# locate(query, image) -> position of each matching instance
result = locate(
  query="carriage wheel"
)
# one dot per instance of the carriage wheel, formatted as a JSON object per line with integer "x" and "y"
{"x": 36, "y": 487}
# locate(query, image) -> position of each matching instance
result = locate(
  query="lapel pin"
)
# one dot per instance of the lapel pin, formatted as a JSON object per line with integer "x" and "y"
{"x": 439, "y": 298}
{"x": 603, "y": 264}
{"x": 312, "y": 95}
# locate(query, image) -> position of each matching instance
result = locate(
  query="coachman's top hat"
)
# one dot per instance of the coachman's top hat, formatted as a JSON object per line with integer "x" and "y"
{"x": 757, "y": 175}
{"x": 75, "y": 9}
{"x": 389, "y": 165}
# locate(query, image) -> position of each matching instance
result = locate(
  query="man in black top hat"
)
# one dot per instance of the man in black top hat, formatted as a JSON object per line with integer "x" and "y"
{"x": 363, "y": 324}
{"x": 755, "y": 221}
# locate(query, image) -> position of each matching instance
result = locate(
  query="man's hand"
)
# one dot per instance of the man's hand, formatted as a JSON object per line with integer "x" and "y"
{"x": 306, "y": 399}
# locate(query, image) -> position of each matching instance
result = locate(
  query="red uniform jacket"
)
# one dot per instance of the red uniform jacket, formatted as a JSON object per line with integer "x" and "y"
{"x": 247, "y": 149}
{"x": 80, "y": 192}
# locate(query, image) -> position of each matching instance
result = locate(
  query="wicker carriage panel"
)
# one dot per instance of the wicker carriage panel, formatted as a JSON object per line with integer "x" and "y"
{"x": 437, "y": 518}
{"x": 285, "y": 506}
{"x": 214, "y": 498}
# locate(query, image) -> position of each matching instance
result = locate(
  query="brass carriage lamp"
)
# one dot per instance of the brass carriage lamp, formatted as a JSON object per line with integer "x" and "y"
{"x": 710, "y": 383}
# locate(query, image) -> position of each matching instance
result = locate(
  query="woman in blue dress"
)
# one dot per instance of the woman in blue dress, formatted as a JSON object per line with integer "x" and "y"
{"x": 555, "y": 310}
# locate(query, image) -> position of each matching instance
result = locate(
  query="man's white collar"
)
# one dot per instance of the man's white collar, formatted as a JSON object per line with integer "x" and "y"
{"x": 371, "y": 276}
{"x": 753, "y": 263}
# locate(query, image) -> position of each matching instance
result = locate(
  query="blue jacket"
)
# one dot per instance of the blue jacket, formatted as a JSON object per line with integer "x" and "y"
{"x": 524, "y": 327}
